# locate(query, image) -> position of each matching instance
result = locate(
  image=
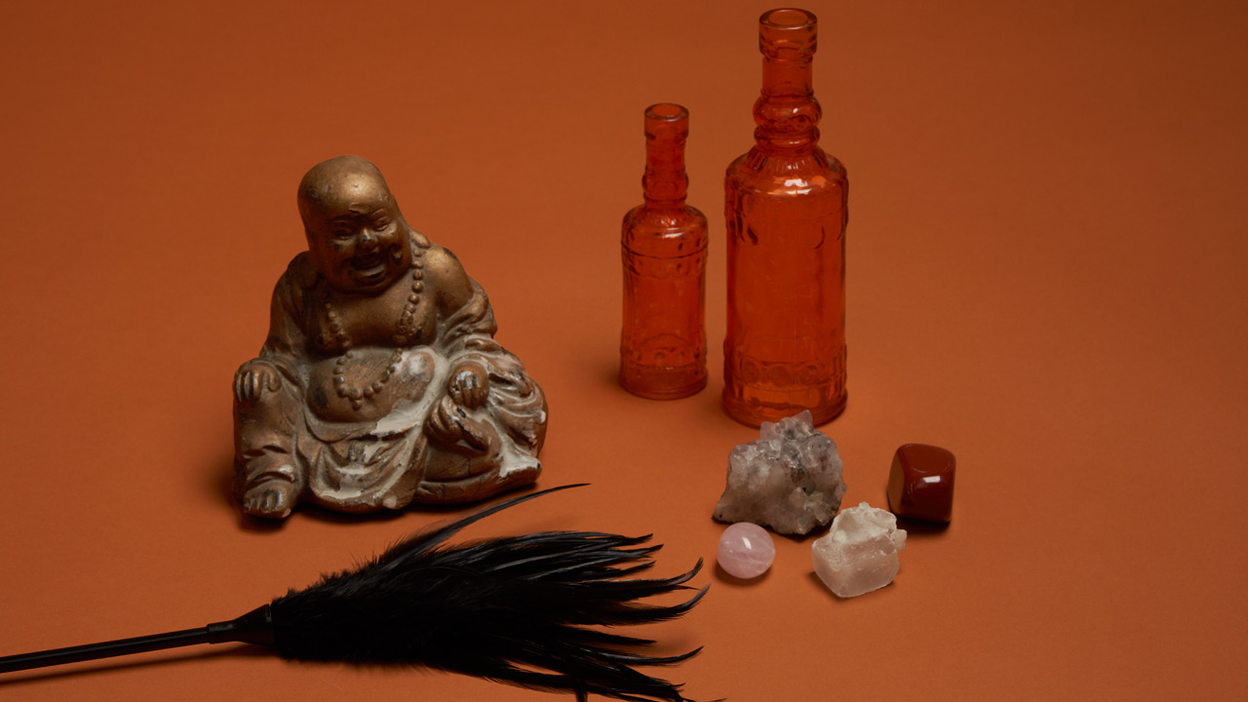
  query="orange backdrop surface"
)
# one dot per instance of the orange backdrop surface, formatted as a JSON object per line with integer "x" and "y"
{"x": 1047, "y": 257}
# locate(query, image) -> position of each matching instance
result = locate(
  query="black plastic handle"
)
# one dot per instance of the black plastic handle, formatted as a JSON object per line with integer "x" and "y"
{"x": 255, "y": 627}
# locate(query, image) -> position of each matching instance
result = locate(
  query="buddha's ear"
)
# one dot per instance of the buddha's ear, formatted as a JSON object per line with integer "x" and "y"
{"x": 419, "y": 239}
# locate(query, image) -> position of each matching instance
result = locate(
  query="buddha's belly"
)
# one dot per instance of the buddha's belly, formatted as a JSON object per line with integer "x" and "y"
{"x": 372, "y": 384}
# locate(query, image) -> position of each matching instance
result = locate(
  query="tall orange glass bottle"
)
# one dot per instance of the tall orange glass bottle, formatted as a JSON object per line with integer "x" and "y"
{"x": 786, "y": 213}
{"x": 663, "y": 342}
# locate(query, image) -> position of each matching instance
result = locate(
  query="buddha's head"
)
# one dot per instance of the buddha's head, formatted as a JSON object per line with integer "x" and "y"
{"x": 356, "y": 234}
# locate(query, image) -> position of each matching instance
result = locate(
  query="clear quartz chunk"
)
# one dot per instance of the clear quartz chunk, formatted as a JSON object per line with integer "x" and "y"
{"x": 859, "y": 554}
{"x": 789, "y": 479}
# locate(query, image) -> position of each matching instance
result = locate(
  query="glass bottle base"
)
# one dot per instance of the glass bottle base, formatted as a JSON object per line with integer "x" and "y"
{"x": 755, "y": 413}
{"x": 663, "y": 383}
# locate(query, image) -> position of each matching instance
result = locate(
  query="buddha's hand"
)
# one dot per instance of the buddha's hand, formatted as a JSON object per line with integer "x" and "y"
{"x": 469, "y": 385}
{"x": 253, "y": 378}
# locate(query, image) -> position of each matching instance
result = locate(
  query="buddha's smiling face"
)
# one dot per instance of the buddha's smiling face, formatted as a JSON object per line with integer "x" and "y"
{"x": 356, "y": 234}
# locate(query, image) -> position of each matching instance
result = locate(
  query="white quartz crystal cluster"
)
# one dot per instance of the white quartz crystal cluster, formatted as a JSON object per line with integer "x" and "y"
{"x": 859, "y": 554}
{"x": 789, "y": 480}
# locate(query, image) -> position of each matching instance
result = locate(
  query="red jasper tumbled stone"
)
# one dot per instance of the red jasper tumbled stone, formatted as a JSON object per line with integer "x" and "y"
{"x": 920, "y": 483}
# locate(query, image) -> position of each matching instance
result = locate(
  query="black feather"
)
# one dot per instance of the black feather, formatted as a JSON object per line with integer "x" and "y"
{"x": 516, "y": 609}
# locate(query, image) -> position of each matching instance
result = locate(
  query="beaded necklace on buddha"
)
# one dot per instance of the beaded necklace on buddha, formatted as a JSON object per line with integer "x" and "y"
{"x": 403, "y": 334}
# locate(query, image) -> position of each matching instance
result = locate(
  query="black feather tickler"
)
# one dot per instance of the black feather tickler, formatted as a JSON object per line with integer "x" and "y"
{"x": 518, "y": 609}
{"x": 527, "y": 610}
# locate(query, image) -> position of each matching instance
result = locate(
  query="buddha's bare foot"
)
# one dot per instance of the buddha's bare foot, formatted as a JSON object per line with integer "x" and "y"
{"x": 451, "y": 424}
{"x": 271, "y": 499}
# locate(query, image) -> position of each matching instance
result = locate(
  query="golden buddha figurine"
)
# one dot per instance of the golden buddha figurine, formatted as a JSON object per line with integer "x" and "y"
{"x": 380, "y": 383}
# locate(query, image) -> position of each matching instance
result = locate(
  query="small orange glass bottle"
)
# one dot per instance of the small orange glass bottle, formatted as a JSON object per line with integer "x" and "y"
{"x": 663, "y": 243}
{"x": 786, "y": 213}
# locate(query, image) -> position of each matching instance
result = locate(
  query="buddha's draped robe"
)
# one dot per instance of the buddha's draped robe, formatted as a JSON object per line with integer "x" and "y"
{"x": 385, "y": 459}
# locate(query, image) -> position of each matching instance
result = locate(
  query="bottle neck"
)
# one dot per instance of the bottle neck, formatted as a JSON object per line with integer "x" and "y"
{"x": 665, "y": 182}
{"x": 790, "y": 77}
{"x": 786, "y": 112}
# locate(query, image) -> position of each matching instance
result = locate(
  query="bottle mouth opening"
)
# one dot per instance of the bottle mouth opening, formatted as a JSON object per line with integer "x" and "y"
{"x": 667, "y": 112}
{"x": 787, "y": 18}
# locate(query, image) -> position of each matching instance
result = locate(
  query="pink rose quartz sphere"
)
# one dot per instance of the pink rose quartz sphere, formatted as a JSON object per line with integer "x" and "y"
{"x": 746, "y": 550}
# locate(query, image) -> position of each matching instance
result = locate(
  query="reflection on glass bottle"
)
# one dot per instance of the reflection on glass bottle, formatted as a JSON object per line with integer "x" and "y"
{"x": 663, "y": 342}
{"x": 786, "y": 214}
